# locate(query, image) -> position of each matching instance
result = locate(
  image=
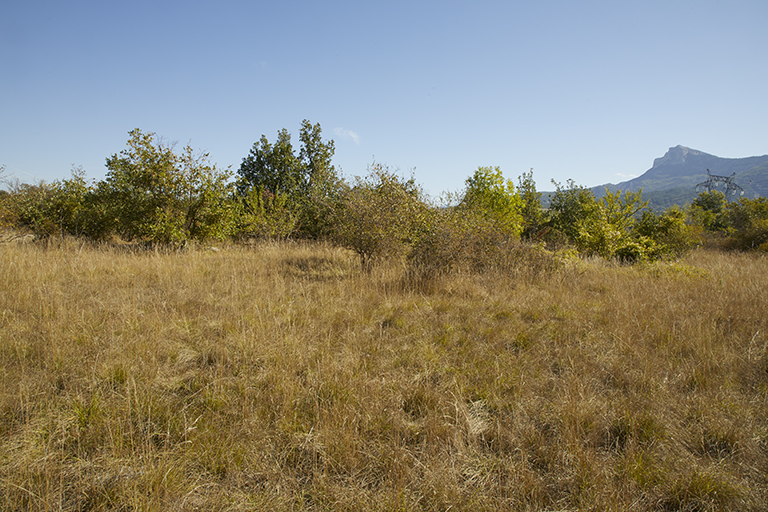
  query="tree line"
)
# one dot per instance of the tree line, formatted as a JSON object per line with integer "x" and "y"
{"x": 155, "y": 194}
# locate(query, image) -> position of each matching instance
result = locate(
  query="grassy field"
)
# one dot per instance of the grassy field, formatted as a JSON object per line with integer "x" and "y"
{"x": 281, "y": 377}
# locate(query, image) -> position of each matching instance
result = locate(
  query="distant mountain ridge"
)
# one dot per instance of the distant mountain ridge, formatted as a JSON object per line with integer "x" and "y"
{"x": 674, "y": 176}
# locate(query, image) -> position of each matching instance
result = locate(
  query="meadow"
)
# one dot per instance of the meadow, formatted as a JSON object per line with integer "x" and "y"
{"x": 279, "y": 376}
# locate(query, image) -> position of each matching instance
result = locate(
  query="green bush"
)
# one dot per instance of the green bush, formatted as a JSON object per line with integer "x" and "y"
{"x": 157, "y": 196}
{"x": 668, "y": 230}
{"x": 51, "y": 209}
{"x": 28, "y": 207}
{"x": 78, "y": 208}
{"x": 748, "y": 223}
{"x": 6, "y": 214}
{"x": 637, "y": 250}
{"x": 604, "y": 227}
{"x": 263, "y": 214}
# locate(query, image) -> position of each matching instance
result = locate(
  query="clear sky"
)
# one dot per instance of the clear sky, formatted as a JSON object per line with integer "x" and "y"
{"x": 588, "y": 90}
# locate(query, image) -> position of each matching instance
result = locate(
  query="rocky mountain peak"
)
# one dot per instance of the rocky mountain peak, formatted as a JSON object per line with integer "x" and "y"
{"x": 676, "y": 156}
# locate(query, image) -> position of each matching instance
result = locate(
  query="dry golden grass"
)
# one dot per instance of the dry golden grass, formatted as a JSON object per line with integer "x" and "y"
{"x": 280, "y": 377}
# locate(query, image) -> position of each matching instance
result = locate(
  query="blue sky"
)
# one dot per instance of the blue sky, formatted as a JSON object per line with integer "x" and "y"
{"x": 589, "y": 90}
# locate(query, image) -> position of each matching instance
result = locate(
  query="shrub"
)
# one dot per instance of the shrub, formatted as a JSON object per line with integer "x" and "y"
{"x": 668, "y": 230}
{"x": 380, "y": 216}
{"x": 80, "y": 209}
{"x": 6, "y": 213}
{"x": 29, "y": 207}
{"x": 638, "y": 249}
{"x": 603, "y": 227}
{"x": 482, "y": 233}
{"x": 66, "y": 207}
{"x": 748, "y": 219}
{"x": 158, "y": 196}
{"x": 5, "y": 209}
{"x": 708, "y": 210}
{"x": 461, "y": 241}
{"x": 263, "y": 214}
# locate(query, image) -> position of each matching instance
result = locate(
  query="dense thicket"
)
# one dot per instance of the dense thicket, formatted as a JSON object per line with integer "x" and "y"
{"x": 154, "y": 194}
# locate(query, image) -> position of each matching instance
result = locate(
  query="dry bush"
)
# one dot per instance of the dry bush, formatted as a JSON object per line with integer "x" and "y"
{"x": 281, "y": 377}
{"x": 380, "y": 217}
{"x": 460, "y": 243}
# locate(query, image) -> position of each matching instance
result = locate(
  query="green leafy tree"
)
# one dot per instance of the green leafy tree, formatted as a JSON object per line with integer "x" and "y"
{"x": 308, "y": 181}
{"x": 619, "y": 210}
{"x": 315, "y": 158}
{"x": 158, "y": 196}
{"x": 324, "y": 184}
{"x": 618, "y": 215}
{"x": 608, "y": 231}
{"x": 273, "y": 167}
{"x": 488, "y": 193}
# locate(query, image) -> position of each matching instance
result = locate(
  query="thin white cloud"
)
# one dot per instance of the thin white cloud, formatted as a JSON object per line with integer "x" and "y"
{"x": 347, "y": 134}
{"x": 626, "y": 175}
